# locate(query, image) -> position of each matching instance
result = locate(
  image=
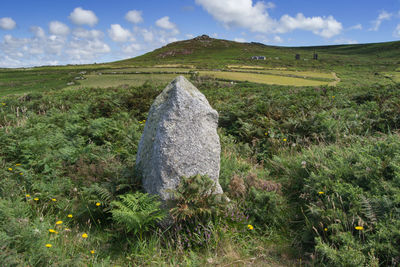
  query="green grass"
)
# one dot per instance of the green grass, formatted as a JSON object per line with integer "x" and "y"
{"x": 304, "y": 165}
{"x": 115, "y": 80}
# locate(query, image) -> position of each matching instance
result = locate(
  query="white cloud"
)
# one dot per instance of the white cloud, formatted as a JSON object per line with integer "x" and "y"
{"x": 240, "y": 40}
{"x": 255, "y": 17}
{"x": 356, "y": 27}
{"x": 270, "y": 5}
{"x": 322, "y": 26}
{"x": 58, "y": 28}
{"x": 396, "y": 32}
{"x": 119, "y": 34}
{"x": 81, "y": 16}
{"x": 345, "y": 41}
{"x": 278, "y": 39}
{"x": 131, "y": 48}
{"x": 164, "y": 23}
{"x": 38, "y": 32}
{"x": 87, "y": 34}
{"x": 383, "y": 15}
{"x": 134, "y": 16}
{"x": 7, "y": 23}
{"x": 148, "y": 36}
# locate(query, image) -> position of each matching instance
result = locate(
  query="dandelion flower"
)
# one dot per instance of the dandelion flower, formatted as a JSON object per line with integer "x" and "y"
{"x": 98, "y": 204}
{"x": 53, "y": 199}
{"x": 48, "y": 245}
{"x": 321, "y": 192}
{"x": 18, "y": 164}
{"x": 359, "y": 228}
{"x": 284, "y": 139}
{"x": 266, "y": 134}
{"x": 59, "y": 222}
{"x": 53, "y": 231}
{"x": 27, "y": 195}
{"x": 36, "y": 199}
{"x": 69, "y": 216}
{"x": 92, "y": 251}
{"x": 10, "y": 169}
{"x": 84, "y": 235}
{"x": 250, "y": 227}
{"x": 325, "y": 229}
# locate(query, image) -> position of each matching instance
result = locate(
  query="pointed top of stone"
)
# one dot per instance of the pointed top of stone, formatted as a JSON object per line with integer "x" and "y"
{"x": 182, "y": 85}
{"x": 179, "y": 139}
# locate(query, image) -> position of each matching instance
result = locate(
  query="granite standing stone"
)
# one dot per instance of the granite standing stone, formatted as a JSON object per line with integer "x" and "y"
{"x": 179, "y": 140}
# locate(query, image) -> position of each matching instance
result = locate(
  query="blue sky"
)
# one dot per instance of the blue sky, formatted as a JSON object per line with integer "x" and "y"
{"x": 49, "y": 32}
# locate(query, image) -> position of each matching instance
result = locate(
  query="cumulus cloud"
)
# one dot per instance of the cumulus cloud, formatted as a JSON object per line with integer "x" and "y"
{"x": 58, "y": 28}
{"x": 131, "y": 48}
{"x": 7, "y": 23}
{"x": 396, "y": 32}
{"x": 119, "y": 34}
{"x": 148, "y": 35}
{"x": 166, "y": 24}
{"x": 81, "y": 16}
{"x": 240, "y": 40}
{"x": 383, "y": 15}
{"x": 87, "y": 34}
{"x": 134, "y": 16}
{"x": 270, "y": 5}
{"x": 277, "y": 39}
{"x": 38, "y": 32}
{"x": 255, "y": 17}
{"x": 326, "y": 27}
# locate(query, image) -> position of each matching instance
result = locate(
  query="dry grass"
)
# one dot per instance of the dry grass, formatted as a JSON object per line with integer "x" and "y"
{"x": 303, "y": 74}
{"x": 105, "y": 81}
{"x": 263, "y": 78}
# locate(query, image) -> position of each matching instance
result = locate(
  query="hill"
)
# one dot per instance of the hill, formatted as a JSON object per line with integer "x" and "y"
{"x": 207, "y": 52}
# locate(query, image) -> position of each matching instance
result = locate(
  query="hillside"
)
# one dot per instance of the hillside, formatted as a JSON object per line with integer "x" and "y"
{"x": 204, "y": 51}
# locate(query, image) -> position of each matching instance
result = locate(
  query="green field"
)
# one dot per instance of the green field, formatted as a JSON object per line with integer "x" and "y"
{"x": 309, "y": 160}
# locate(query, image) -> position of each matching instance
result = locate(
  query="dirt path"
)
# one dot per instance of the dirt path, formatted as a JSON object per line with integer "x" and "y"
{"x": 337, "y": 80}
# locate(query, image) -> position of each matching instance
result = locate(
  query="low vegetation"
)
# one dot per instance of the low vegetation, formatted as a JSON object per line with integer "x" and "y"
{"x": 312, "y": 172}
{"x": 309, "y": 168}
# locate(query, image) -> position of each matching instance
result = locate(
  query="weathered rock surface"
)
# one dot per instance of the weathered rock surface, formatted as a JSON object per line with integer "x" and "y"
{"x": 179, "y": 140}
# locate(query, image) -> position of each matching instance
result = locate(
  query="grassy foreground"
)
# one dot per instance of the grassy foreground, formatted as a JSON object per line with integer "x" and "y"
{"x": 313, "y": 175}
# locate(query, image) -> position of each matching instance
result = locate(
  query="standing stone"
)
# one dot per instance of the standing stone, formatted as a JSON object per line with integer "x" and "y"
{"x": 179, "y": 140}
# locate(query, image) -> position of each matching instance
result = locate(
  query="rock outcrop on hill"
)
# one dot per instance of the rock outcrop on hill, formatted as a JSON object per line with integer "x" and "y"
{"x": 179, "y": 140}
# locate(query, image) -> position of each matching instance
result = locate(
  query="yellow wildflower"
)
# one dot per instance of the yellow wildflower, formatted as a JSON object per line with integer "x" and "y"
{"x": 27, "y": 195}
{"x": 333, "y": 96}
{"x": 59, "y": 222}
{"x": 20, "y": 173}
{"x": 284, "y": 139}
{"x": 321, "y": 192}
{"x": 53, "y": 199}
{"x": 53, "y": 231}
{"x": 18, "y": 164}
{"x": 69, "y": 216}
{"x": 10, "y": 169}
{"x": 84, "y": 235}
{"x": 48, "y": 245}
{"x": 266, "y": 134}
{"x": 36, "y": 199}
{"x": 67, "y": 229}
{"x": 92, "y": 251}
{"x": 359, "y": 228}
{"x": 325, "y": 229}
{"x": 98, "y": 204}
{"x": 250, "y": 227}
